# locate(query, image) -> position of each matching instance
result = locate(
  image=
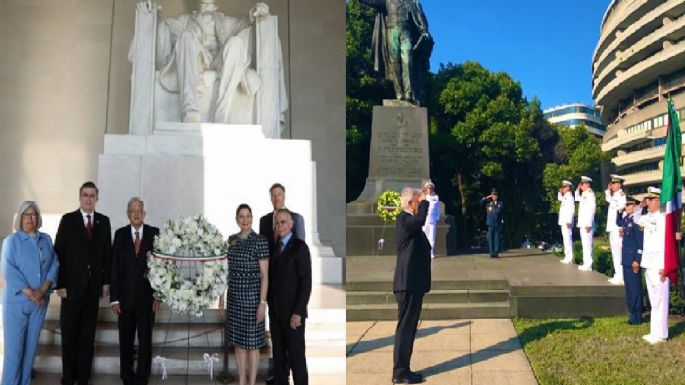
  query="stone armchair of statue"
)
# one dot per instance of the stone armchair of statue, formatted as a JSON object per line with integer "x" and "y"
{"x": 206, "y": 66}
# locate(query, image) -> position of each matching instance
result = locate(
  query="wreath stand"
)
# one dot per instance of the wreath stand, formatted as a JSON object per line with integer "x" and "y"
{"x": 188, "y": 268}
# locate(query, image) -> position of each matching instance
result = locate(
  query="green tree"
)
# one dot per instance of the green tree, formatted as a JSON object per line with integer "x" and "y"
{"x": 365, "y": 88}
{"x": 485, "y": 134}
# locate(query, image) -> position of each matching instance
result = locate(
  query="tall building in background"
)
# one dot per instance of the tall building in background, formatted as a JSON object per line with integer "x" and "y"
{"x": 638, "y": 62}
{"x": 574, "y": 115}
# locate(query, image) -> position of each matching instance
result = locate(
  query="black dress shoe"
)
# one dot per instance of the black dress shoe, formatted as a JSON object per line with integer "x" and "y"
{"x": 411, "y": 378}
{"x": 270, "y": 380}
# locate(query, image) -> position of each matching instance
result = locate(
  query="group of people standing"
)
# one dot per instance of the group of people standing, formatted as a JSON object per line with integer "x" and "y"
{"x": 271, "y": 268}
{"x": 636, "y": 240}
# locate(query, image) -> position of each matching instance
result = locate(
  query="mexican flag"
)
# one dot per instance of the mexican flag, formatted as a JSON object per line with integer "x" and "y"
{"x": 671, "y": 192}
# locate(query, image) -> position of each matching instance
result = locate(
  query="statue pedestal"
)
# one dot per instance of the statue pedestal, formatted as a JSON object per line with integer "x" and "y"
{"x": 209, "y": 169}
{"x": 398, "y": 158}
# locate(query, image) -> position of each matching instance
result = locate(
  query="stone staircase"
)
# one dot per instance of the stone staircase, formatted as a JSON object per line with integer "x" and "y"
{"x": 183, "y": 340}
{"x": 459, "y": 299}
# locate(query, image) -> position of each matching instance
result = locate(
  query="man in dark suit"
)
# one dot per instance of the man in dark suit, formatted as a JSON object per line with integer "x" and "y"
{"x": 631, "y": 258}
{"x": 412, "y": 280}
{"x": 290, "y": 285}
{"x": 494, "y": 220}
{"x": 267, "y": 225}
{"x": 83, "y": 245}
{"x": 267, "y": 228}
{"x": 131, "y": 294}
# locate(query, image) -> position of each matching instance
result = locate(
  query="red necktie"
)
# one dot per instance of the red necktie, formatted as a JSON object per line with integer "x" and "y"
{"x": 136, "y": 243}
{"x": 89, "y": 228}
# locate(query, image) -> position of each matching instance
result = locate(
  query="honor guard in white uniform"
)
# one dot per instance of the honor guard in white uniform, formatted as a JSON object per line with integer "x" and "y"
{"x": 616, "y": 199}
{"x": 586, "y": 219}
{"x": 566, "y": 212}
{"x": 654, "y": 228}
{"x": 433, "y": 214}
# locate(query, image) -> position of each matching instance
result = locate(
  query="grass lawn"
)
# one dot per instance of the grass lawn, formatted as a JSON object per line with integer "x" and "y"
{"x": 602, "y": 351}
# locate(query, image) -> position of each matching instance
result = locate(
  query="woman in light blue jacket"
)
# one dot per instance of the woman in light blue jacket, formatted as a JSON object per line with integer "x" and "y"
{"x": 29, "y": 266}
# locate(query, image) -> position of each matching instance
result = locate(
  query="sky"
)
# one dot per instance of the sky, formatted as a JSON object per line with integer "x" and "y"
{"x": 546, "y": 45}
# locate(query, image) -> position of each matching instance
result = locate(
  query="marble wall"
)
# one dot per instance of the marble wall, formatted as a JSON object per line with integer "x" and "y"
{"x": 64, "y": 81}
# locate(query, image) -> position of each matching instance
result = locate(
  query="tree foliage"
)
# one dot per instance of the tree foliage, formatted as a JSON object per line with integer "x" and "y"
{"x": 485, "y": 135}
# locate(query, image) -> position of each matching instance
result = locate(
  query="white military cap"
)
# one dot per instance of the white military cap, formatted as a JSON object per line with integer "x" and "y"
{"x": 566, "y": 183}
{"x": 653, "y": 192}
{"x": 429, "y": 184}
{"x": 585, "y": 179}
{"x": 616, "y": 178}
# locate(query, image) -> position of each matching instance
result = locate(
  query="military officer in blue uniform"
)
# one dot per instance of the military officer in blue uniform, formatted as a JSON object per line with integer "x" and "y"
{"x": 494, "y": 220}
{"x": 631, "y": 254}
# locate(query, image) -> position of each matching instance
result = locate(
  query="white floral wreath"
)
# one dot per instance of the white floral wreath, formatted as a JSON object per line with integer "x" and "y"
{"x": 189, "y": 243}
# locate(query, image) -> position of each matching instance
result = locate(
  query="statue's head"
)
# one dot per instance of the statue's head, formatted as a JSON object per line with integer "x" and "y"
{"x": 208, "y": 6}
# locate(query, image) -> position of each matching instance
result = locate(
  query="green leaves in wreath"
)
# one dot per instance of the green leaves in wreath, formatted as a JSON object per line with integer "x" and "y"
{"x": 388, "y": 206}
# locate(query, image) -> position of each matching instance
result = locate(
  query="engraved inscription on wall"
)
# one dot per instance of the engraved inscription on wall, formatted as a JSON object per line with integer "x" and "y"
{"x": 399, "y": 147}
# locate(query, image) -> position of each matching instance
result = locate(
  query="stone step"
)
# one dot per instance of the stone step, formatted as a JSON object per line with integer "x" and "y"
{"x": 163, "y": 315}
{"x": 193, "y": 335}
{"x": 211, "y": 316}
{"x": 462, "y": 284}
{"x": 434, "y": 296}
{"x": 189, "y": 361}
{"x": 432, "y": 311}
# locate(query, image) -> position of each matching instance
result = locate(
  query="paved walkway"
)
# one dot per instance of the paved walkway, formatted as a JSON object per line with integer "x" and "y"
{"x": 450, "y": 352}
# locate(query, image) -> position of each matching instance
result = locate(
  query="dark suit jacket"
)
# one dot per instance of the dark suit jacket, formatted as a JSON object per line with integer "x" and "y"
{"x": 84, "y": 265}
{"x": 266, "y": 228}
{"x": 130, "y": 285}
{"x": 413, "y": 268}
{"x": 494, "y": 212}
{"x": 290, "y": 280}
{"x": 631, "y": 250}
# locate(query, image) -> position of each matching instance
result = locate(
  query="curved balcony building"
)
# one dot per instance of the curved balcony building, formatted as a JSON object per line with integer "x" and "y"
{"x": 638, "y": 62}
{"x": 576, "y": 114}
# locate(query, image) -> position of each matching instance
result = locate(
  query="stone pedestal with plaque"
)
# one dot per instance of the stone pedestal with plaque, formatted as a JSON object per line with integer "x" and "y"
{"x": 398, "y": 158}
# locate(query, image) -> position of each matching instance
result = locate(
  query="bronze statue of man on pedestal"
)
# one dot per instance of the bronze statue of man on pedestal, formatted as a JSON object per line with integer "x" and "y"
{"x": 402, "y": 45}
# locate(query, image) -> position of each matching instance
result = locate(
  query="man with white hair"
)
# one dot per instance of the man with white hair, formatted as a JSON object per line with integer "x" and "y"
{"x": 586, "y": 219}
{"x": 616, "y": 199}
{"x": 131, "y": 293}
{"x": 433, "y": 214}
{"x": 411, "y": 281}
{"x": 566, "y": 212}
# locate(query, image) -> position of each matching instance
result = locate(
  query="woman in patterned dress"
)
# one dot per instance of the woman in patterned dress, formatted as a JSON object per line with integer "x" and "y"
{"x": 248, "y": 278}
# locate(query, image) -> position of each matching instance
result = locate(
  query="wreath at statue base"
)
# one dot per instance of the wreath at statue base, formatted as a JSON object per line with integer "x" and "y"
{"x": 188, "y": 268}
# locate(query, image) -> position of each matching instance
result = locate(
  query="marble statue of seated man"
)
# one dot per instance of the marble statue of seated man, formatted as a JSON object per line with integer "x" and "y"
{"x": 205, "y": 40}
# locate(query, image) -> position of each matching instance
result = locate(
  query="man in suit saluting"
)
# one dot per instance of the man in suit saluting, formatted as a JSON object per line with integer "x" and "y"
{"x": 412, "y": 280}
{"x": 131, "y": 294}
{"x": 83, "y": 245}
{"x": 290, "y": 285}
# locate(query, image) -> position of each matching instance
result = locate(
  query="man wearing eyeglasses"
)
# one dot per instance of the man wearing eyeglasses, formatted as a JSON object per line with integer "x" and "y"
{"x": 290, "y": 285}
{"x": 84, "y": 246}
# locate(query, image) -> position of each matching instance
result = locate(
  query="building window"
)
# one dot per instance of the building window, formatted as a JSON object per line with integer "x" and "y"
{"x": 647, "y": 167}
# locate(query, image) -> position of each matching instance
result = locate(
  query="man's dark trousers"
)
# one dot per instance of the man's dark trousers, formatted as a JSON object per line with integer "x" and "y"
{"x": 633, "y": 282}
{"x": 493, "y": 240}
{"x": 78, "y": 319}
{"x": 408, "y": 312}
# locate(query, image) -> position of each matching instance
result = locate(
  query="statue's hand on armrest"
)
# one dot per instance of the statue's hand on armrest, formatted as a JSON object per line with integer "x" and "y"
{"x": 259, "y": 10}
{"x": 144, "y": 6}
